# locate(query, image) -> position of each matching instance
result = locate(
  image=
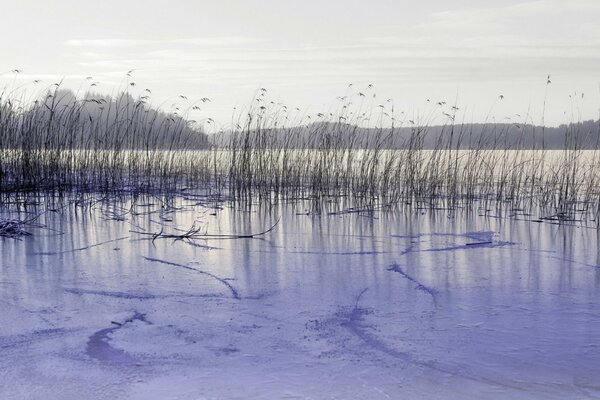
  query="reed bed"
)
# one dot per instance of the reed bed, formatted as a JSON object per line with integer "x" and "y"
{"x": 96, "y": 143}
{"x": 61, "y": 143}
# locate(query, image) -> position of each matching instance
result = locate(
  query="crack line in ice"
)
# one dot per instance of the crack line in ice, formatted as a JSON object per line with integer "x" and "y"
{"x": 342, "y": 253}
{"x": 354, "y": 323}
{"x": 201, "y": 246}
{"x": 572, "y": 261}
{"x": 408, "y": 249}
{"x": 432, "y": 292}
{"x": 147, "y": 296}
{"x": 121, "y": 295}
{"x": 482, "y": 239}
{"x": 52, "y": 253}
{"x": 470, "y": 245}
{"x": 98, "y": 345}
{"x": 8, "y": 342}
{"x": 234, "y": 292}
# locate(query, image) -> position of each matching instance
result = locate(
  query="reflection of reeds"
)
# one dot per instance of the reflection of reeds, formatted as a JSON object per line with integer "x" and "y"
{"x": 109, "y": 145}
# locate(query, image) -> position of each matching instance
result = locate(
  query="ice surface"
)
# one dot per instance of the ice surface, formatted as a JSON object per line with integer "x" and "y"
{"x": 402, "y": 305}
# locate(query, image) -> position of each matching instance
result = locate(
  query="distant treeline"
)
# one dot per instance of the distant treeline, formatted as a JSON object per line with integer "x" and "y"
{"x": 60, "y": 120}
{"x": 582, "y": 135}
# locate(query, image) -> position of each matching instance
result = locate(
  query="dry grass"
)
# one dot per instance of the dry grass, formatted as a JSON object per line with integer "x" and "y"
{"x": 122, "y": 145}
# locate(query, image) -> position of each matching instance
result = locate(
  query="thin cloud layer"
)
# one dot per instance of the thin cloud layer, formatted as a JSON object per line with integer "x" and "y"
{"x": 472, "y": 54}
{"x": 203, "y": 41}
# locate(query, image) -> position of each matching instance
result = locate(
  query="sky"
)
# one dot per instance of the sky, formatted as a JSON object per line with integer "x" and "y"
{"x": 306, "y": 53}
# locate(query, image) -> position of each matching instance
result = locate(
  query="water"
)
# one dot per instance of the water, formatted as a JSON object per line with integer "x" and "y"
{"x": 405, "y": 304}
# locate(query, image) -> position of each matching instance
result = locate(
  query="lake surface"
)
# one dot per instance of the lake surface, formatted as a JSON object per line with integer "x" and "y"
{"x": 411, "y": 303}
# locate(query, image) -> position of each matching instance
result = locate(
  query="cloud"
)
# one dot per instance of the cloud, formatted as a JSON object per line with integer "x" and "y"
{"x": 44, "y": 77}
{"x": 557, "y": 7}
{"x": 543, "y": 29}
{"x": 481, "y": 51}
{"x": 203, "y": 41}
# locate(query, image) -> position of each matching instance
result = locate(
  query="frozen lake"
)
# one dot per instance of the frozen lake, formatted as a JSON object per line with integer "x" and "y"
{"x": 410, "y": 304}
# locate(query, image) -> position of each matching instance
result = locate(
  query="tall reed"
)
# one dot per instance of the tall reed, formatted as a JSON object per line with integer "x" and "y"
{"x": 94, "y": 143}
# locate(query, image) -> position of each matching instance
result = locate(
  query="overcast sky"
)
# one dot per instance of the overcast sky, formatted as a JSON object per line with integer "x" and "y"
{"x": 306, "y": 52}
